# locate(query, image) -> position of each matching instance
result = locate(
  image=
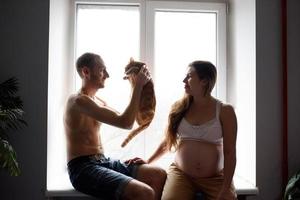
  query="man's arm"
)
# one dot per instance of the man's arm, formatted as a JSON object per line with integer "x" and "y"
{"x": 125, "y": 120}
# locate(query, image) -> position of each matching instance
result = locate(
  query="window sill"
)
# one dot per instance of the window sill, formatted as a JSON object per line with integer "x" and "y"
{"x": 243, "y": 188}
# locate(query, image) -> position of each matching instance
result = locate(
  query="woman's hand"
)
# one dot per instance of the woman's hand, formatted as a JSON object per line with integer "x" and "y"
{"x": 135, "y": 160}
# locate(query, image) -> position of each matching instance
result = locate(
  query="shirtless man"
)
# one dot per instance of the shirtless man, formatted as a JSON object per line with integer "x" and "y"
{"x": 89, "y": 170}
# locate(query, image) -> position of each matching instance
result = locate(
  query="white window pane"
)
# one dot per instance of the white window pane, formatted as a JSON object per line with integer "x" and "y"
{"x": 180, "y": 38}
{"x": 112, "y": 31}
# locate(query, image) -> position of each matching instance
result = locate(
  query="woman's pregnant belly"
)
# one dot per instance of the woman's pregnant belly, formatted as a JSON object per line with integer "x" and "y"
{"x": 199, "y": 158}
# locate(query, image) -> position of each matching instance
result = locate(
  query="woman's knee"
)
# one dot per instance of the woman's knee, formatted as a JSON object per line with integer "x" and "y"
{"x": 168, "y": 195}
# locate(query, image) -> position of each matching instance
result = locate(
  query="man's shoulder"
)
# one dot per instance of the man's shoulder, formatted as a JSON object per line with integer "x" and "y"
{"x": 80, "y": 101}
{"x": 77, "y": 97}
{"x": 101, "y": 101}
{"x": 74, "y": 99}
{"x": 72, "y": 96}
{"x": 74, "y": 106}
{"x": 71, "y": 99}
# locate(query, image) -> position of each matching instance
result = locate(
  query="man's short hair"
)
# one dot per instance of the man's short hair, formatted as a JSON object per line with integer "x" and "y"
{"x": 87, "y": 60}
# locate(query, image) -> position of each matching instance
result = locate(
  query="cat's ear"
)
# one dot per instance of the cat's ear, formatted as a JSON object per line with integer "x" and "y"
{"x": 131, "y": 59}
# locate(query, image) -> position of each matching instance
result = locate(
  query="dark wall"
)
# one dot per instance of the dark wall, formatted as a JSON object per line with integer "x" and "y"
{"x": 293, "y": 85}
{"x": 269, "y": 94}
{"x": 24, "y": 27}
{"x": 268, "y": 98}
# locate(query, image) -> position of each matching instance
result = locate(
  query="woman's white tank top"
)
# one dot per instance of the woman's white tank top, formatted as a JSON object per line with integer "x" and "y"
{"x": 210, "y": 131}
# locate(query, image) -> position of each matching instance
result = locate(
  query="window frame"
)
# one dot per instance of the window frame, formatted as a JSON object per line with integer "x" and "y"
{"x": 218, "y": 8}
{"x": 147, "y": 31}
{"x": 145, "y": 38}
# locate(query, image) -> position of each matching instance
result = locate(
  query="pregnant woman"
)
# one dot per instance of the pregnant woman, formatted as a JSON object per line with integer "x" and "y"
{"x": 202, "y": 130}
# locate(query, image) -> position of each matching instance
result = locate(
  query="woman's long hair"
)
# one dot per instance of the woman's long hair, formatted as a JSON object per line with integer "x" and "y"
{"x": 177, "y": 112}
{"x": 205, "y": 71}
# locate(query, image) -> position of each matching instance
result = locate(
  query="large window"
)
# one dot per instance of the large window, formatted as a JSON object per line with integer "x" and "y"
{"x": 168, "y": 38}
{"x": 165, "y": 35}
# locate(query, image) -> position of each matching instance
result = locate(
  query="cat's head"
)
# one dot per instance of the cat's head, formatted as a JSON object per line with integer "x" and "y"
{"x": 132, "y": 67}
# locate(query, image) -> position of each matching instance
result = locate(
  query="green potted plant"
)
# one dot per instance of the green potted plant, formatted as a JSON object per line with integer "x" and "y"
{"x": 11, "y": 113}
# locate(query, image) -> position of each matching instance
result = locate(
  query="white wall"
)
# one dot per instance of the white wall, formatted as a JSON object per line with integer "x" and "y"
{"x": 60, "y": 86}
{"x": 241, "y": 77}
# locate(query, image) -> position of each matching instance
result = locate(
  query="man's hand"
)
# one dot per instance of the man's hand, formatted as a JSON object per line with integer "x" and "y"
{"x": 141, "y": 78}
{"x": 135, "y": 160}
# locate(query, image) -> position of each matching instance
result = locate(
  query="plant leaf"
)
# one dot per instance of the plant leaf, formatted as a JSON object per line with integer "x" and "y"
{"x": 11, "y": 119}
{"x": 8, "y": 159}
{"x": 11, "y": 113}
{"x": 9, "y": 87}
{"x": 10, "y": 102}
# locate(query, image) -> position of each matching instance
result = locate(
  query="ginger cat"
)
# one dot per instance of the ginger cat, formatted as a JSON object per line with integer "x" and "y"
{"x": 147, "y": 105}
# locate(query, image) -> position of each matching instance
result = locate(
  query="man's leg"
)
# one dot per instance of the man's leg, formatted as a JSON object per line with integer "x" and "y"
{"x": 153, "y": 176}
{"x": 137, "y": 190}
{"x": 96, "y": 179}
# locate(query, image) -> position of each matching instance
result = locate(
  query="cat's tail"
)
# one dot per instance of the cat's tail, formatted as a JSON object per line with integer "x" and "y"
{"x": 133, "y": 133}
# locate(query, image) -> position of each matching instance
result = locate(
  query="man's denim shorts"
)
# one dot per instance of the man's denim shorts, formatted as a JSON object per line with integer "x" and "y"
{"x": 99, "y": 176}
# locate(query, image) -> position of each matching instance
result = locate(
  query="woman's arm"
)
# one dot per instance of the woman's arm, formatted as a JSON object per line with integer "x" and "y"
{"x": 229, "y": 127}
{"x": 161, "y": 150}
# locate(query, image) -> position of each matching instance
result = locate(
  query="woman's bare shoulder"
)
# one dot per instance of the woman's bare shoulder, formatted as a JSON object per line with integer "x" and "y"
{"x": 227, "y": 110}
